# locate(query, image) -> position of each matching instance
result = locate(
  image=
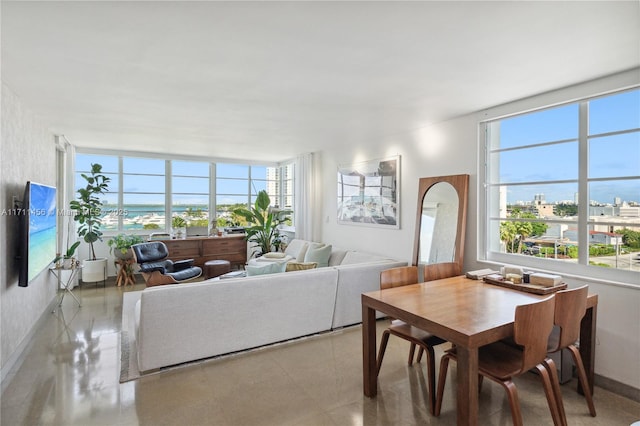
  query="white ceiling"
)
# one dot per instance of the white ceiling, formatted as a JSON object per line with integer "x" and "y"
{"x": 268, "y": 80}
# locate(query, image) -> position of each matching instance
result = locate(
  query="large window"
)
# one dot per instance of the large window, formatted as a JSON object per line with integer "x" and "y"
{"x": 143, "y": 192}
{"x": 190, "y": 188}
{"x": 562, "y": 185}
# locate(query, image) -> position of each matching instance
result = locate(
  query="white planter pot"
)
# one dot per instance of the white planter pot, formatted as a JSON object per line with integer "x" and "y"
{"x": 94, "y": 270}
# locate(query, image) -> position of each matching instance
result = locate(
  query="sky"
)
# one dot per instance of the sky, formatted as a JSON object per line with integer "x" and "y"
{"x": 609, "y": 156}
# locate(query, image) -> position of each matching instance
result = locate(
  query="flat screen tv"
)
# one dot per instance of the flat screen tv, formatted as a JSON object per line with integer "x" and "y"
{"x": 37, "y": 231}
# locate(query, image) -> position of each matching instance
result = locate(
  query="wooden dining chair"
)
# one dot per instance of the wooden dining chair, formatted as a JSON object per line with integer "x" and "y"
{"x": 438, "y": 271}
{"x": 397, "y": 277}
{"x": 501, "y": 362}
{"x": 571, "y": 306}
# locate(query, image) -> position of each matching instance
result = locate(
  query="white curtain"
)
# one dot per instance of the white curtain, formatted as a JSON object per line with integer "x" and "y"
{"x": 305, "y": 204}
{"x": 66, "y": 154}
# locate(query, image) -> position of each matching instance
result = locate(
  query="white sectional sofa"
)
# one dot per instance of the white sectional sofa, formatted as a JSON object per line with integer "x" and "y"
{"x": 186, "y": 322}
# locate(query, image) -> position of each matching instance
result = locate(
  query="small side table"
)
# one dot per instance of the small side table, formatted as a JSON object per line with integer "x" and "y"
{"x": 57, "y": 272}
{"x": 125, "y": 272}
{"x": 215, "y": 268}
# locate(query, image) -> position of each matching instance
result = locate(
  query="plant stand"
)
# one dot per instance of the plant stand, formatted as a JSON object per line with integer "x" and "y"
{"x": 125, "y": 272}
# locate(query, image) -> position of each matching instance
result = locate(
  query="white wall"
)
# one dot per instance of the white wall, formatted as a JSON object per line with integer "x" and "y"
{"x": 452, "y": 148}
{"x": 28, "y": 153}
{"x": 444, "y": 149}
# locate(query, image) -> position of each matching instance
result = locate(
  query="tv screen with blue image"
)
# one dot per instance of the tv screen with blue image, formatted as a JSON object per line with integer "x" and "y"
{"x": 39, "y": 231}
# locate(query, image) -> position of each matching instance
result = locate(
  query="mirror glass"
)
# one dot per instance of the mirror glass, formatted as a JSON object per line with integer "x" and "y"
{"x": 441, "y": 221}
{"x": 438, "y": 224}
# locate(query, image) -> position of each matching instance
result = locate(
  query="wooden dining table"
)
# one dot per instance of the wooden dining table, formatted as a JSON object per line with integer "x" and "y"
{"x": 469, "y": 314}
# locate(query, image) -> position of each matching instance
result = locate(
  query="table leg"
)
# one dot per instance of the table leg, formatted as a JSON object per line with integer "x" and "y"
{"x": 467, "y": 399}
{"x": 588, "y": 344}
{"x": 74, "y": 273}
{"x": 369, "y": 365}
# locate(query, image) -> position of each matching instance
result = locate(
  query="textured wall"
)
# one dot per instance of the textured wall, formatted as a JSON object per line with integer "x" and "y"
{"x": 28, "y": 153}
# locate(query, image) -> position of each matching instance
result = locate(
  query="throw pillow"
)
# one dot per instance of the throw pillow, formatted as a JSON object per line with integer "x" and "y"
{"x": 300, "y": 266}
{"x": 318, "y": 253}
{"x": 294, "y": 248}
{"x": 268, "y": 268}
{"x": 302, "y": 253}
{"x": 273, "y": 255}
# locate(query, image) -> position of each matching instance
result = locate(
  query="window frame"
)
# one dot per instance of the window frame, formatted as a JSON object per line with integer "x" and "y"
{"x": 580, "y": 93}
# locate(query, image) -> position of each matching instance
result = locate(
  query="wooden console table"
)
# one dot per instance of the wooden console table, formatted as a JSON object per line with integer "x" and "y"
{"x": 228, "y": 247}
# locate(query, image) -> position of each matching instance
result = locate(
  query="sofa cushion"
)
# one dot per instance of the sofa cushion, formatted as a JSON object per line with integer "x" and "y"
{"x": 267, "y": 268}
{"x": 337, "y": 256}
{"x": 300, "y": 266}
{"x": 353, "y": 257}
{"x": 280, "y": 259}
{"x": 297, "y": 249}
{"x": 273, "y": 255}
{"x": 319, "y": 253}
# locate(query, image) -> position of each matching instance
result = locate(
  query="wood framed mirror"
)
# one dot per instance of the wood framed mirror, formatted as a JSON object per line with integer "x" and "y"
{"x": 441, "y": 220}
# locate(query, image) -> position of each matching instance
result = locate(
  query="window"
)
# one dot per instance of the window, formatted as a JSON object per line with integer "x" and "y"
{"x": 190, "y": 192}
{"x": 562, "y": 185}
{"x": 110, "y": 168}
{"x": 144, "y": 191}
{"x": 286, "y": 180}
{"x": 143, "y": 194}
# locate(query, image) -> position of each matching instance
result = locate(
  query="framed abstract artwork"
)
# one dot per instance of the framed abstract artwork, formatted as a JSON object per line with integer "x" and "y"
{"x": 368, "y": 193}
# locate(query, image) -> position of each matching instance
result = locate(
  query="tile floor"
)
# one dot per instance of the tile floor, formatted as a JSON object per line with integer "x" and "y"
{"x": 70, "y": 377}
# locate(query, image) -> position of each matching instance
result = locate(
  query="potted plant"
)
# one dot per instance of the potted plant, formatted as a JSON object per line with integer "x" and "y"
{"x": 263, "y": 223}
{"x": 120, "y": 245}
{"x": 87, "y": 210}
{"x": 179, "y": 225}
{"x": 67, "y": 257}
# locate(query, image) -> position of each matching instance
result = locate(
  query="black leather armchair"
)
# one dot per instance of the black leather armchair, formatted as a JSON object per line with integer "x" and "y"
{"x": 156, "y": 269}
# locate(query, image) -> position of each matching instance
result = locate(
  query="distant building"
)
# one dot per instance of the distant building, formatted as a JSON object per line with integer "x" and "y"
{"x": 604, "y": 211}
{"x": 628, "y": 211}
{"x": 542, "y": 209}
{"x": 611, "y": 238}
{"x": 595, "y": 237}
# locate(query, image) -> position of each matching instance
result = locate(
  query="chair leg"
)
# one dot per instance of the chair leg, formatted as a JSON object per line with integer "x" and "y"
{"x": 420, "y": 352}
{"x": 514, "y": 403}
{"x": 412, "y": 351}
{"x": 431, "y": 376}
{"x": 582, "y": 376}
{"x": 442, "y": 378}
{"x": 383, "y": 348}
{"x": 550, "y": 394}
{"x": 555, "y": 382}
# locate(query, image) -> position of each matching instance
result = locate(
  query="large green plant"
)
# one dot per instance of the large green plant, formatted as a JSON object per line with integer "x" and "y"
{"x": 123, "y": 242}
{"x": 87, "y": 207}
{"x": 263, "y": 222}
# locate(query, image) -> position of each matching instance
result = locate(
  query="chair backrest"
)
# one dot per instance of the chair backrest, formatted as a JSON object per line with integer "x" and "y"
{"x": 438, "y": 271}
{"x": 571, "y": 306}
{"x": 531, "y": 330}
{"x": 397, "y": 277}
{"x": 149, "y": 252}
